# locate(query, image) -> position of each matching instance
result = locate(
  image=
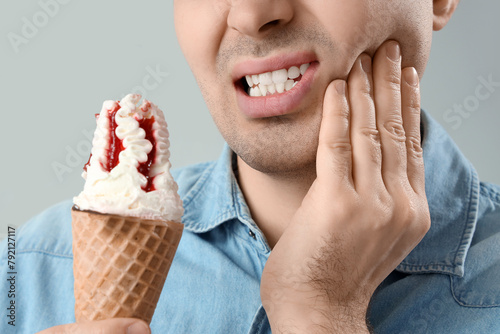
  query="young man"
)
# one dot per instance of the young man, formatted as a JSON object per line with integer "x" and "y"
{"x": 328, "y": 174}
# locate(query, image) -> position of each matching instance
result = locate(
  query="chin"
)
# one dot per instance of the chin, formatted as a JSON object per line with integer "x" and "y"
{"x": 279, "y": 159}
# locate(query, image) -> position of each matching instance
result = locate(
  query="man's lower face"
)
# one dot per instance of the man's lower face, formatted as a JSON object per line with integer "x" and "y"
{"x": 263, "y": 67}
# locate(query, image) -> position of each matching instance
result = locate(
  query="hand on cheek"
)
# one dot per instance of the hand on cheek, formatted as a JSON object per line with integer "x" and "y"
{"x": 367, "y": 208}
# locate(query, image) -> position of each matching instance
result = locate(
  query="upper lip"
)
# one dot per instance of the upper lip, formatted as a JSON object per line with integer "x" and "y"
{"x": 258, "y": 66}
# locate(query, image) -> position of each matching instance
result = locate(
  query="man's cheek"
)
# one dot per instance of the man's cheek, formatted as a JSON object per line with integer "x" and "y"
{"x": 198, "y": 27}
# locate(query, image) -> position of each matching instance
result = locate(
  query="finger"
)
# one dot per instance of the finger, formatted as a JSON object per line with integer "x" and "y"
{"x": 367, "y": 160}
{"x": 387, "y": 91}
{"x": 410, "y": 95}
{"x": 108, "y": 326}
{"x": 334, "y": 158}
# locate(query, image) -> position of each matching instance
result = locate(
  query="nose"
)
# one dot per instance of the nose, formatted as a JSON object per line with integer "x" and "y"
{"x": 257, "y": 18}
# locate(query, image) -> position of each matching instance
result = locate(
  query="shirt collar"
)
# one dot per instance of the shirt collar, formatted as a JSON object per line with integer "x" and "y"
{"x": 452, "y": 189}
{"x": 215, "y": 198}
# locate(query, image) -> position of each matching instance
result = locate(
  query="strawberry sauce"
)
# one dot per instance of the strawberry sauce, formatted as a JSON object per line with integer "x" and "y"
{"x": 115, "y": 145}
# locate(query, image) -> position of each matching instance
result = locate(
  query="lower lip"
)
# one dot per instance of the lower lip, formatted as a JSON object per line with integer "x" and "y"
{"x": 277, "y": 104}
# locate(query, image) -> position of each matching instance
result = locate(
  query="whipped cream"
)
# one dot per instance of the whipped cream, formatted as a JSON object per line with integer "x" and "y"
{"x": 124, "y": 190}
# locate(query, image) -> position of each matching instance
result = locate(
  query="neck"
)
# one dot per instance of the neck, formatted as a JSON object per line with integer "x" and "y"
{"x": 273, "y": 199}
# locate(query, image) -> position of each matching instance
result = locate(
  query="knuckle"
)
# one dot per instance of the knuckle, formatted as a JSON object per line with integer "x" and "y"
{"x": 373, "y": 138}
{"x": 339, "y": 148}
{"x": 396, "y": 130}
{"x": 401, "y": 209}
{"x": 366, "y": 91}
{"x": 69, "y": 329}
{"x": 417, "y": 216}
{"x": 393, "y": 80}
{"x": 408, "y": 212}
{"x": 376, "y": 153}
{"x": 386, "y": 200}
{"x": 384, "y": 207}
{"x": 413, "y": 104}
{"x": 424, "y": 218}
{"x": 420, "y": 228}
{"x": 340, "y": 155}
{"x": 371, "y": 134}
{"x": 426, "y": 225}
{"x": 342, "y": 114}
{"x": 414, "y": 148}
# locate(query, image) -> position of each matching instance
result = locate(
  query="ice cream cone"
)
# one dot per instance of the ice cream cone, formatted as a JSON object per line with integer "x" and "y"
{"x": 120, "y": 264}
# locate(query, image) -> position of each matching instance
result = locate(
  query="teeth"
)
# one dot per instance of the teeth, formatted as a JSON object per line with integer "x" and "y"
{"x": 294, "y": 72}
{"x": 255, "y": 79}
{"x": 266, "y": 78}
{"x": 303, "y": 68}
{"x": 271, "y": 89}
{"x": 289, "y": 85}
{"x": 249, "y": 81}
{"x": 280, "y": 76}
{"x": 255, "y": 92}
{"x": 279, "y": 81}
{"x": 263, "y": 89}
{"x": 280, "y": 88}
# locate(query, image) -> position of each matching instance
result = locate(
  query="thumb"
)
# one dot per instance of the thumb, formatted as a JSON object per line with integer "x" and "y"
{"x": 108, "y": 326}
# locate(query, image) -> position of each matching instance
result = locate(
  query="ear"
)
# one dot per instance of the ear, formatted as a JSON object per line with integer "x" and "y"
{"x": 443, "y": 10}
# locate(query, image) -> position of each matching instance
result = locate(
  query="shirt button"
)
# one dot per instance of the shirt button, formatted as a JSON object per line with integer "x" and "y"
{"x": 250, "y": 232}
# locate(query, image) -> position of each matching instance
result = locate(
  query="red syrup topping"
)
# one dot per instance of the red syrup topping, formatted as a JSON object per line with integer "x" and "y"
{"x": 88, "y": 163}
{"x": 115, "y": 146}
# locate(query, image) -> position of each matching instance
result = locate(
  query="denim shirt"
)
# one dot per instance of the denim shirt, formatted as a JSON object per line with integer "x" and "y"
{"x": 449, "y": 283}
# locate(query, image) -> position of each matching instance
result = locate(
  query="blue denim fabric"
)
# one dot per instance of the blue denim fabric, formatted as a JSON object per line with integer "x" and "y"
{"x": 449, "y": 283}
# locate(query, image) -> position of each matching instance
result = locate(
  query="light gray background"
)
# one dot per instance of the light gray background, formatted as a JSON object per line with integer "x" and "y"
{"x": 90, "y": 51}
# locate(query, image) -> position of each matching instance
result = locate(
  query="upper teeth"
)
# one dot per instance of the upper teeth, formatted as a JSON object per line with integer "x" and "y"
{"x": 276, "y": 81}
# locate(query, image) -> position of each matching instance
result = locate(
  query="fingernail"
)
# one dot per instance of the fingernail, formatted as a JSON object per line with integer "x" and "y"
{"x": 411, "y": 77}
{"x": 340, "y": 86}
{"x": 138, "y": 328}
{"x": 366, "y": 64}
{"x": 393, "y": 51}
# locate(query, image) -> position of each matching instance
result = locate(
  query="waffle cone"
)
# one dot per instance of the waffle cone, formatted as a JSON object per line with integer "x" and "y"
{"x": 120, "y": 264}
